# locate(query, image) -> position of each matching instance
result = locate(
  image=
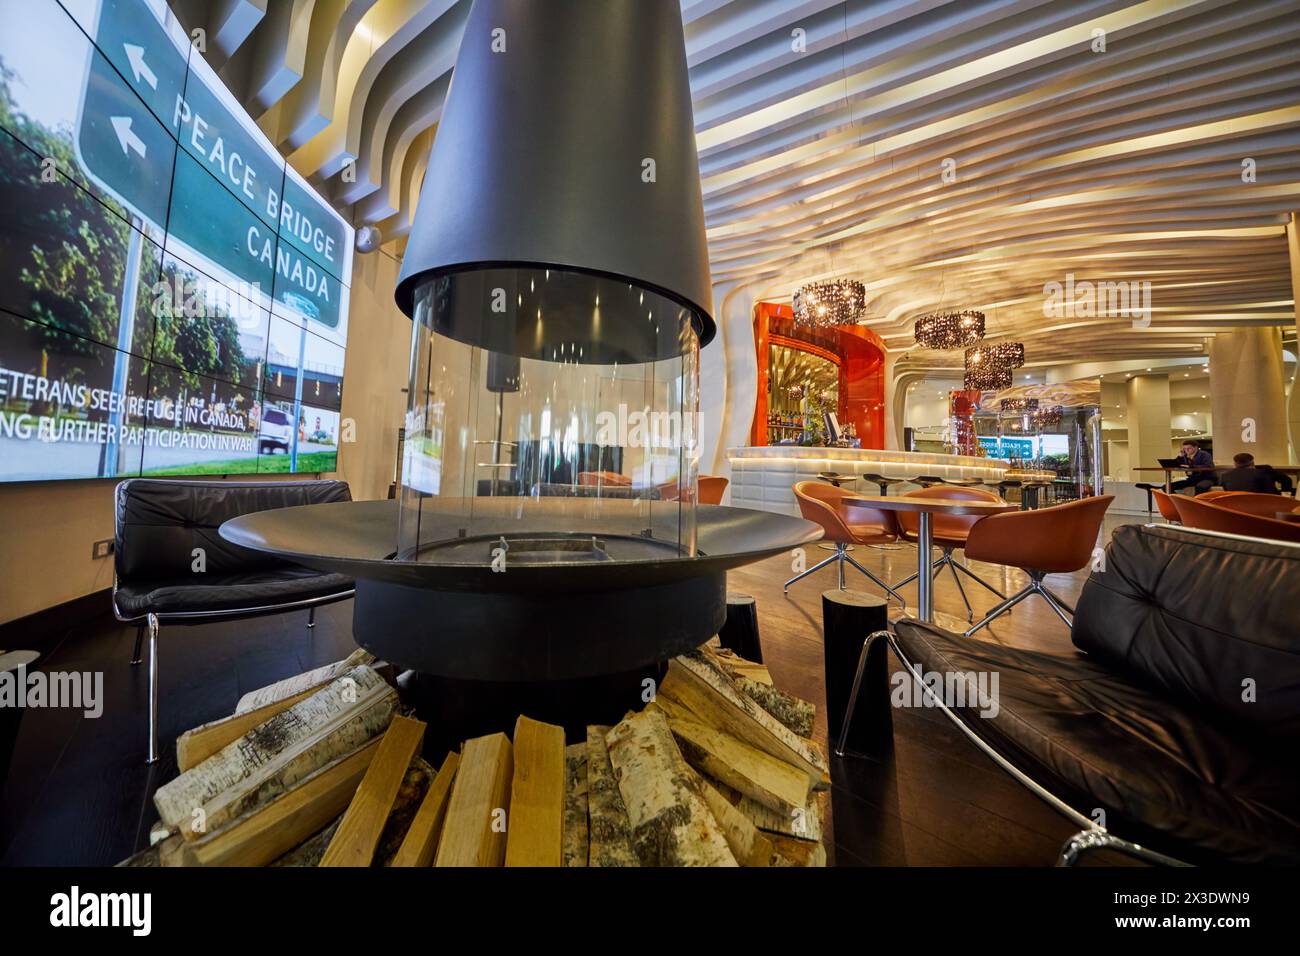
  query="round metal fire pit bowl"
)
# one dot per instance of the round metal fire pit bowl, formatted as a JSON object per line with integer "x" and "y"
{"x": 602, "y": 609}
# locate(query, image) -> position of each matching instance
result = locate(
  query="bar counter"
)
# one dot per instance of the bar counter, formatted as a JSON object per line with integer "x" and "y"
{"x": 762, "y": 477}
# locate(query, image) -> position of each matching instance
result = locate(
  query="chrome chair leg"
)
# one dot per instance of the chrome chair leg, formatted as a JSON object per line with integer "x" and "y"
{"x": 1002, "y": 608}
{"x": 889, "y": 591}
{"x": 975, "y": 577}
{"x": 1057, "y": 598}
{"x": 961, "y": 589}
{"x": 874, "y": 648}
{"x": 153, "y": 689}
{"x": 311, "y": 617}
{"x": 139, "y": 643}
{"x": 1089, "y": 841}
{"x": 816, "y": 567}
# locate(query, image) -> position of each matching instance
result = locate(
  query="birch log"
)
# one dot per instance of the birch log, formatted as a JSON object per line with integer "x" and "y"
{"x": 795, "y": 713}
{"x": 700, "y": 685}
{"x": 298, "y": 683}
{"x": 747, "y": 844}
{"x": 672, "y": 824}
{"x": 271, "y": 758}
{"x": 575, "y": 805}
{"x": 609, "y": 833}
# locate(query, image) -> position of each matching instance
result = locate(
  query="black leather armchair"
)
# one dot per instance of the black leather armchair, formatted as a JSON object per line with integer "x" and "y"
{"x": 173, "y": 567}
{"x": 1179, "y": 719}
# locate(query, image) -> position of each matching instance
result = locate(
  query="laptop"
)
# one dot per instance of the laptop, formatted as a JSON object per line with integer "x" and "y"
{"x": 1170, "y": 463}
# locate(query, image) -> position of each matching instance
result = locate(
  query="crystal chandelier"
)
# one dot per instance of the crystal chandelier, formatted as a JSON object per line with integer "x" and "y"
{"x": 842, "y": 302}
{"x": 949, "y": 330}
{"x": 1020, "y": 404}
{"x": 989, "y": 366}
{"x": 1047, "y": 416}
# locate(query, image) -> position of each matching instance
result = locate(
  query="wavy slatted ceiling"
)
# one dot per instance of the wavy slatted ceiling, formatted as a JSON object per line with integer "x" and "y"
{"x": 827, "y": 162}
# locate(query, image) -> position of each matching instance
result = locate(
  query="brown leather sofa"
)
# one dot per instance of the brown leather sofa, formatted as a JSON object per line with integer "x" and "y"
{"x": 1176, "y": 714}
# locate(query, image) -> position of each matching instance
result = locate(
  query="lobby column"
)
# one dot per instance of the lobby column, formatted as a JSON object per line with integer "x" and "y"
{"x": 1149, "y": 434}
{"x": 1247, "y": 396}
{"x": 1293, "y": 406}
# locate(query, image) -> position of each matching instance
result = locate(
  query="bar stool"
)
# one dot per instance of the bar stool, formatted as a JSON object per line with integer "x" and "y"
{"x": 1148, "y": 487}
{"x": 927, "y": 481}
{"x": 835, "y": 478}
{"x": 1047, "y": 541}
{"x": 963, "y": 482}
{"x": 845, "y": 523}
{"x": 1032, "y": 502}
{"x": 884, "y": 482}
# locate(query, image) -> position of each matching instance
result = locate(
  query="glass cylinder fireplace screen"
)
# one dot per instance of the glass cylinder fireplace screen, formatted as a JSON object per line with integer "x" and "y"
{"x": 552, "y": 417}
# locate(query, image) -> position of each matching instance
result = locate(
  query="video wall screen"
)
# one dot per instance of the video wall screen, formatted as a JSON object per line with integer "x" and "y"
{"x": 173, "y": 297}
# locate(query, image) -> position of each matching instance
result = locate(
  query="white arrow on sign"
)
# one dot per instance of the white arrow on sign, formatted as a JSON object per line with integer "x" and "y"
{"x": 125, "y": 136}
{"x": 135, "y": 54}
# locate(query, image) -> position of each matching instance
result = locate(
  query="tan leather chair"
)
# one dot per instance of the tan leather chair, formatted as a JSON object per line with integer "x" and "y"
{"x": 711, "y": 488}
{"x": 1165, "y": 502}
{"x": 1055, "y": 540}
{"x": 1251, "y": 502}
{"x": 1213, "y": 516}
{"x": 844, "y": 523}
{"x": 949, "y": 532}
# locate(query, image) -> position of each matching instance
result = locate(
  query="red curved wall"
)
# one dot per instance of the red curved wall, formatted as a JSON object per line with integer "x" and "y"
{"x": 861, "y": 356}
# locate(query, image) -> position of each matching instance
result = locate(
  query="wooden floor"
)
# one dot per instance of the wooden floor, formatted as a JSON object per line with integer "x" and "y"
{"x": 78, "y": 791}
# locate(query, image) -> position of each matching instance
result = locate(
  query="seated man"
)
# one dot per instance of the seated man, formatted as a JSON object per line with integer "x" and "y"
{"x": 1201, "y": 475}
{"x": 1244, "y": 476}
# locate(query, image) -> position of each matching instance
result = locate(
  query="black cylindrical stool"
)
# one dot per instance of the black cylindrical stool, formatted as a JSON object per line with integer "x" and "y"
{"x": 740, "y": 631}
{"x": 14, "y": 664}
{"x": 848, "y": 617}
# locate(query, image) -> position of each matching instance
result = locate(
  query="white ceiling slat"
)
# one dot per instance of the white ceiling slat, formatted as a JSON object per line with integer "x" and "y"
{"x": 828, "y": 162}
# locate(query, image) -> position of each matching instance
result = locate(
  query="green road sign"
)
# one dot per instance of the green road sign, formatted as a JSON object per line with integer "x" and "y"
{"x": 231, "y": 198}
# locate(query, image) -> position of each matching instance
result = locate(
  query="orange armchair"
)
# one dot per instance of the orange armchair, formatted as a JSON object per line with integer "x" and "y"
{"x": 1054, "y": 540}
{"x": 711, "y": 488}
{"x": 949, "y": 532}
{"x": 845, "y": 523}
{"x": 1214, "y": 516}
{"x": 1252, "y": 502}
{"x": 1165, "y": 502}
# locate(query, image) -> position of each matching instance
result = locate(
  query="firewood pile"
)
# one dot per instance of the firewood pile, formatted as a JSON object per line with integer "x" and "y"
{"x": 325, "y": 769}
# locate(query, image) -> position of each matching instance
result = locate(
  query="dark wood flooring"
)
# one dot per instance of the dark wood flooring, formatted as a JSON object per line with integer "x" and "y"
{"x": 78, "y": 791}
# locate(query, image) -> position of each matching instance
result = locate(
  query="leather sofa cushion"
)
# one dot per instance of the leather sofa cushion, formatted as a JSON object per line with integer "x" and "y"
{"x": 160, "y": 523}
{"x": 1165, "y": 773}
{"x": 1197, "y": 617}
{"x": 229, "y": 592}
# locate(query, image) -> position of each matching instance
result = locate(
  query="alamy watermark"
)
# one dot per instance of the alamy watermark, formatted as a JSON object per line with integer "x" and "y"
{"x": 956, "y": 689}
{"x": 72, "y": 689}
{"x": 1087, "y": 299}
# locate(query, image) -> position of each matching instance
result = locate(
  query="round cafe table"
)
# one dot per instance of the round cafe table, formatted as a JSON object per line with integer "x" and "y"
{"x": 925, "y": 508}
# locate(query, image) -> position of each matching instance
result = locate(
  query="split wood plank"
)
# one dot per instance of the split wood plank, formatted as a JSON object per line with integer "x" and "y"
{"x": 772, "y": 782}
{"x": 308, "y": 680}
{"x": 608, "y": 831}
{"x": 272, "y": 830}
{"x": 748, "y": 845}
{"x": 474, "y": 831}
{"x": 363, "y": 823}
{"x": 672, "y": 824}
{"x": 421, "y": 842}
{"x": 792, "y": 852}
{"x": 535, "y": 836}
{"x": 197, "y": 745}
{"x": 575, "y": 805}
{"x": 276, "y": 755}
{"x": 715, "y": 699}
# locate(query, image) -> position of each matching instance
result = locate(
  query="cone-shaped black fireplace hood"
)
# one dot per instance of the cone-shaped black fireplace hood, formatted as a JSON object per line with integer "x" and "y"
{"x": 567, "y": 144}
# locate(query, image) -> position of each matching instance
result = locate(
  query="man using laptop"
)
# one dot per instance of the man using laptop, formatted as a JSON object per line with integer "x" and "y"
{"x": 1200, "y": 476}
